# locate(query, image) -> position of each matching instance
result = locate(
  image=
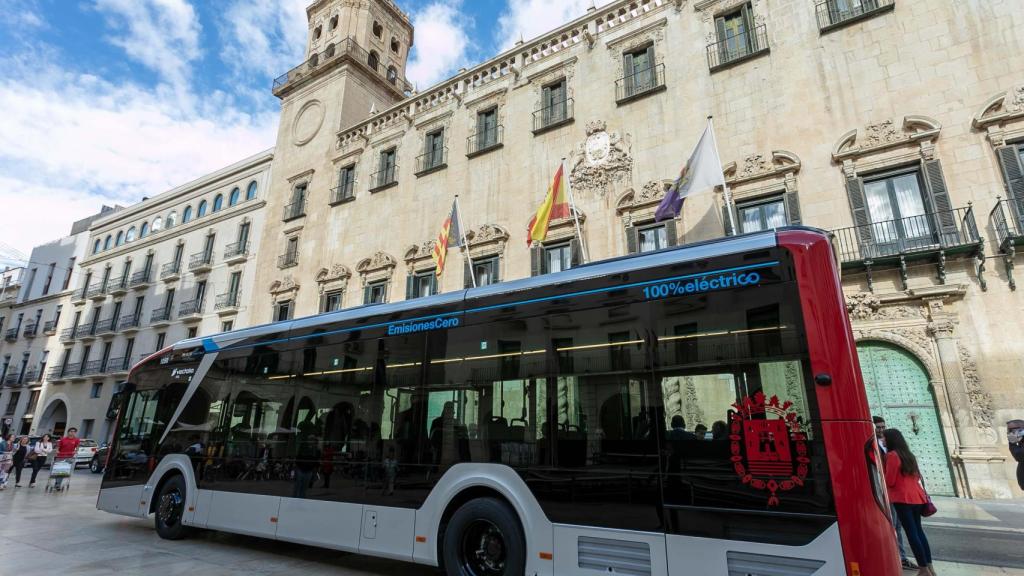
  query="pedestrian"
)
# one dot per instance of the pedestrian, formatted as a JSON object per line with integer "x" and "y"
{"x": 903, "y": 478}
{"x": 1015, "y": 434}
{"x": 7, "y": 447}
{"x": 880, "y": 438}
{"x": 20, "y": 455}
{"x": 67, "y": 447}
{"x": 37, "y": 456}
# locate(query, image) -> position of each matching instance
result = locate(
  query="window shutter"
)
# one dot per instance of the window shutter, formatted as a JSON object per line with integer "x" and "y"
{"x": 366, "y": 294}
{"x": 433, "y": 283}
{"x": 651, "y": 68}
{"x": 861, "y": 218}
{"x": 1013, "y": 172}
{"x": 323, "y": 302}
{"x": 575, "y": 252}
{"x": 727, "y": 220}
{"x": 467, "y": 274}
{"x": 410, "y": 282}
{"x": 793, "y": 208}
{"x": 627, "y": 74}
{"x": 748, "y": 27}
{"x": 670, "y": 232}
{"x": 631, "y": 239}
{"x": 537, "y": 260}
{"x": 945, "y": 219}
{"x": 496, "y": 269}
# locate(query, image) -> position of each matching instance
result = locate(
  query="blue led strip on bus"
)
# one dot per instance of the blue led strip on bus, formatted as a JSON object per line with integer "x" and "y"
{"x": 659, "y": 281}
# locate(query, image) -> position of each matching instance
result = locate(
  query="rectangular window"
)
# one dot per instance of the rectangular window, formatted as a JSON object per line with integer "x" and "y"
{"x": 386, "y": 168}
{"x": 97, "y": 390}
{"x": 192, "y": 332}
{"x": 234, "y": 282}
{"x": 227, "y": 326}
{"x": 129, "y": 349}
{"x": 169, "y": 299}
{"x": 331, "y": 301}
{"x": 346, "y": 184}
{"x": 200, "y": 294}
{"x": 736, "y": 38}
{"x": 487, "y": 129}
{"x": 33, "y": 401}
{"x": 422, "y": 284}
{"x": 375, "y": 292}
{"x": 652, "y": 238}
{"x": 897, "y": 209}
{"x": 208, "y": 248}
{"x": 12, "y": 402}
{"x": 761, "y": 215}
{"x": 68, "y": 272}
{"x": 179, "y": 250}
{"x": 243, "y": 236}
{"x": 485, "y": 271}
{"x": 433, "y": 153}
{"x": 554, "y": 105}
{"x": 87, "y": 426}
{"x": 49, "y": 278}
{"x": 639, "y": 72}
{"x": 557, "y": 258}
{"x": 283, "y": 311}
{"x": 160, "y": 340}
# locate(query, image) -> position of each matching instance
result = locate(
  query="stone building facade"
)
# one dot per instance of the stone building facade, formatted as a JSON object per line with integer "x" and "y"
{"x": 176, "y": 265}
{"x": 898, "y": 125}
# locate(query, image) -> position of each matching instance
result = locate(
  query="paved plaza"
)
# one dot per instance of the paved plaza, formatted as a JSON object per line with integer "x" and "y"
{"x": 65, "y": 534}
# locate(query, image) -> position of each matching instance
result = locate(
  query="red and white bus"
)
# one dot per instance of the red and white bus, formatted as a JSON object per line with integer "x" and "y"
{"x": 692, "y": 411}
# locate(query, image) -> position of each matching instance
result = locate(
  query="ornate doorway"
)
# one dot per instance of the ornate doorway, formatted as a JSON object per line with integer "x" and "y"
{"x": 898, "y": 390}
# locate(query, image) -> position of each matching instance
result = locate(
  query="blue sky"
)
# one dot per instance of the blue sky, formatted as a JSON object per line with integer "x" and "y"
{"x": 107, "y": 101}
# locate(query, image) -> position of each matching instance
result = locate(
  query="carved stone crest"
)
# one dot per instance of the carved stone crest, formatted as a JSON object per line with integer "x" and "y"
{"x": 336, "y": 272}
{"x": 981, "y": 400}
{"x": 601, "y": 160}
{"x": 651, "y": 192}
{"x": 865, "y": 306}
{"x": 420, "y": 251}
{"x": 379, "y": 261}
{"x": 286, "y": 284}
{"x": 487, "y": 233}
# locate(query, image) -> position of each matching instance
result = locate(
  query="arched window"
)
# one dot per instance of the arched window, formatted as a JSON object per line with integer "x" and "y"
{"x": 130, "y": 236}
{"x": 202, "y": 209}
{"x": 107, "y": 242}
{"x": 144, "y": 230}
{"x": 158, "y": 223}
{"x": 218, "y": 202}
{"x": 316, "y": 32}
{"x": 250, "y": 192}
{"x": 334, "y": 22}
{"x": 329, "y": 53}
{"x": 172, "y": 219}
{"x": 120, "y": 238}
{"x": 96, "y": 246}
{"x": 378, "y": 30}
{"x": 392, "y": 74}
{"x": 395, "y": 45}
{"x": 373, "y": 60}
{"x": 186, "y": 214}
{"x": 233, "y": 198}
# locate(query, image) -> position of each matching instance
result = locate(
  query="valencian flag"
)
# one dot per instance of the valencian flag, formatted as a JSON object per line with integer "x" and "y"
{"x": 450, "y": 235}
{"x": 702, "y": 171}
{"x": 556, "y": 205}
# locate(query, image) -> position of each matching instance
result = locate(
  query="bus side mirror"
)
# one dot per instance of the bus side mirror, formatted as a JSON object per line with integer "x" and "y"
{"x": 823, "y": 379}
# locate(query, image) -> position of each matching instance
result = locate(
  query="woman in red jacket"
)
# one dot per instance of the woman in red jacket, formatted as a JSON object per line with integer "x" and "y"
{"x": 908, "y": 497}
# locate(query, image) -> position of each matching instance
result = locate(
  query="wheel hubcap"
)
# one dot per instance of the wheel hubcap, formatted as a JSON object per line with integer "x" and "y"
{"x": 169, "y": 510}
{"x": 483, "y": 549}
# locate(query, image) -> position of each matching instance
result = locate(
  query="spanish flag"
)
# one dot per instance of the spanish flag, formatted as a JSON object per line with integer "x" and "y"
{"x": 449, "y": 230}
{"x": 555, "y": 206}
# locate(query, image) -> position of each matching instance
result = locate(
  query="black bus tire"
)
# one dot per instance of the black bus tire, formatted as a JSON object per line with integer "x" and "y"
{"x": 484, "y": 538}
{"x": 170, "y": 509}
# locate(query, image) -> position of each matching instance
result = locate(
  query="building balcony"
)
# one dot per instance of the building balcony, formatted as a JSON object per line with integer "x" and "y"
{"x": 11, "y": 335}
{"x": 12, "y": 380}
{"x": 236, "y": 253}
{"x": 383, "y": 179}
{"x": 91, "y": 368}
{"x": 140, "y": 280}
{"x": 553, "y": 116}
{"x": 288, "y": 259}
{"x": 294, "y": 211}
{"x": 50, "y": 328}
{"x": 737, "y": 48}
{"x": 32, "y": 375}
{"x": 639, "y": 84}
{"x": 1008, "y": 221}
{"x": 119, "y": 365}
{"x": 431, "y": 161}
{"x": 56, "y": 374}
{"x": 342, "y": 194}
{"x": 171, "y": 272}
{"x": 833, "y": 14}
{"x": 79, "y": 297}
{"x": 86, "y": 331}
{"x": 118, "y": 286}
{"x": 201, "y": 262}
{"x": 129, "y": 323}
{"x": 72, "y": 369}
{"x": 928, "y": 237}
{"x": 346, "y": 51}
{"x": 484, "y": 141}
{"x": 228, "y": 303}
{"x": 68, "y": 334}
{"x": 160, "y": 316}
{"x": 31, "y": 329}
{"x": 106, "y": 326}
{"x": 97, "y": 291}
{"x": 190, "y": 310}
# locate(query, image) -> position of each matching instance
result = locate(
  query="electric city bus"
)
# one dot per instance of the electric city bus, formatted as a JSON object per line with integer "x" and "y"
{"x": 697, "y": 410}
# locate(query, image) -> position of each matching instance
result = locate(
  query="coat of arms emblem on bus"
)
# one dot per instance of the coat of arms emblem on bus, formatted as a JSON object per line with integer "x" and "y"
{"x": 768, "y": 445}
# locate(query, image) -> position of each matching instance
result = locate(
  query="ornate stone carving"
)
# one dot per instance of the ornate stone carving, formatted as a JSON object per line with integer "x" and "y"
{"x": 420, "y": 251}
{"x": 651, "y": 192}
{"x": 487, "y": 233}
{"x": 694, "y": 413}
{"x": 886, "y": 134}
{"x": 865, "y": 306}
{"x": 941, "y": 327}
{"x": 602, "y": 159}
{"x": 981, "y": 400}
{"x": 379, "y": 261}
{"x": 336, "y": 272}
{"x": 285, "y": 284}
{"x": 1002, "y": 113}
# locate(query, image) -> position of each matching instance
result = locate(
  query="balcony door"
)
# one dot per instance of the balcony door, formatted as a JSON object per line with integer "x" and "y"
{"x": 735, "y": 34}
{"x": 899, "y": 216}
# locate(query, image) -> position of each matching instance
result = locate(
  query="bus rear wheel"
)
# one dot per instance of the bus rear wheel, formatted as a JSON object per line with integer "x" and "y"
{"x": 170, "y": 509}
{"x": 483, "y": 538}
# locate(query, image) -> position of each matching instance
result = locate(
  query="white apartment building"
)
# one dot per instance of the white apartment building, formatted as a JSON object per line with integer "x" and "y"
{"x": 170, "y": 267}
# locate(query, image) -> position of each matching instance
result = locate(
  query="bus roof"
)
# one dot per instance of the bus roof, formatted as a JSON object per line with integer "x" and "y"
{"x": 667, "y": 256}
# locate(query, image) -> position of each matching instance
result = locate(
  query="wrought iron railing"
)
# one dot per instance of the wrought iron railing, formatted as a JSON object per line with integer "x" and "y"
{"x": 347, "y": 48}
{"x": 199, "y": 260}
{"x": 119, "y": 364}
{"x": 55, "y": 373}
{"x": 117, "y": 284}
{"x": 556, "y": 114}
{"x": 228, "y": 300}
{"x": 139, "y": 278}
{"x": 344, "y": 193}
{"x": 1008, "y": 221}
{"x": 91, "y": 367}
{"x": 85, "y": 330}
{"x": 294, "y": 210}
{"x": 170, "y": 269}
{"x": 832, "y": 13}
{"x": 161, "y": 314}
{"x": 11, "y": 379}
{"x": 940, "y": 230}
{"x": 50, "y": 327}
{"x": 107, "y": 325}
{"x": 11, "y": 334}
{"x": 485, "y": 140}
{"x": 288, "y": 259}
{"x": 97, "y": 289}
{"x": 640, "y": 82}
{"x": 31, "y": 375}
{"x": 236, "y": 249}
{"x": 72, "y": 369}
{"x": 384, "y": 177}
{"x": 129, "y": 321}
{"x": 68, "y": 333}
{"x": 432, "y": 160}
{"x": 30, "y": 329}
{"x": 188, "y": 307}
{"x": 736, "y": 47}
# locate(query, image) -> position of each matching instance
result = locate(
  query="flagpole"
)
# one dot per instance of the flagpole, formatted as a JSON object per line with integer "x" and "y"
{"x": 463, "y": 242}
{"x": 575, "y": 214}
{"x": 725, "y": 187}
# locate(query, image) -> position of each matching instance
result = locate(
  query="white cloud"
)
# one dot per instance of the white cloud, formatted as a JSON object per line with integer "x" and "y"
{"x": 163, "y": 35}
{"x": 265, "y": 37}
{"x": 531, "y": 18}
{"x": 441, "y": 43}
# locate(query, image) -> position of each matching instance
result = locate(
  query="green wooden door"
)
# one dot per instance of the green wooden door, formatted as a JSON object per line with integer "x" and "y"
{"x": 898, "y": 390}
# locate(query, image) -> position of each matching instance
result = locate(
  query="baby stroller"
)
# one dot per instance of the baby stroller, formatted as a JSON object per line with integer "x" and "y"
{"x": 60, "y": 470}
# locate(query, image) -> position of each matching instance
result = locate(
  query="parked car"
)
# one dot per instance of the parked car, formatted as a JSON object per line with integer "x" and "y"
{"x": 99, "y": 459}
{"x": 86, "y": 450}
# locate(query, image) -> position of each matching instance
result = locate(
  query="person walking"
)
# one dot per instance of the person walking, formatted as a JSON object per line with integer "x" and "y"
{"x": 37, "y": 456}
{"x": 66, "y": 449}
{"x": 1015, "y": 435}
{"x": 20, "y": 455}
{"x": 903, "y": 478}
{"x": 7, "y": 447}
{"x": 880, "y": 438}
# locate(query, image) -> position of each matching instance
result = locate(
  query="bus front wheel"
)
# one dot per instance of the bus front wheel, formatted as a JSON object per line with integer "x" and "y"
{"x": 483, "y": 538}
{"x": 170, "y": 509}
